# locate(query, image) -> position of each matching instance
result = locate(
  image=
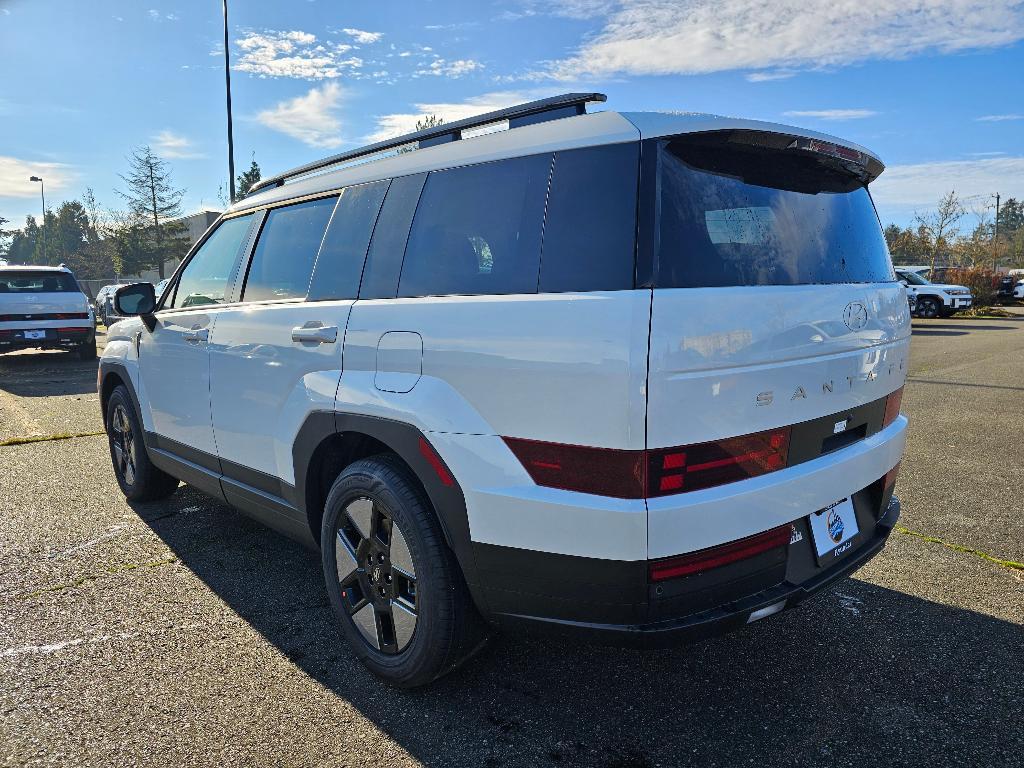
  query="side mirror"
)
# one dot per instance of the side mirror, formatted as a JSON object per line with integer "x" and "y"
{"x": 137, "y": 299}
{"x": 904, "y": 283}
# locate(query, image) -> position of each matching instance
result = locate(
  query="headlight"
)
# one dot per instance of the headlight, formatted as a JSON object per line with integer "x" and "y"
{"x": 956, "y": 291}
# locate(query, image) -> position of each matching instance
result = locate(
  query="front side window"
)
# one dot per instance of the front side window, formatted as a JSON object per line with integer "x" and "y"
{"x": 478, "y": 230}
{"x": 282, "y": 262}
{"x": 732, "y": 213}
{"x": 37, "y": 281}
{"x": 205, "y": 277}
{"x": 913, "y": 278}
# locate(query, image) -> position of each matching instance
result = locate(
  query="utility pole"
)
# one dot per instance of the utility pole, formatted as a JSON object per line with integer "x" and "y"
{"x": 227, "y": 83}
{"x": 42, "y": 194}
{"x": 995, "y": 236}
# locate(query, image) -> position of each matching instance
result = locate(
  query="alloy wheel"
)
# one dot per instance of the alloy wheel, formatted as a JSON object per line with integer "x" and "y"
{"x": 377, "y": 576}
{"x": 122, "y": 439}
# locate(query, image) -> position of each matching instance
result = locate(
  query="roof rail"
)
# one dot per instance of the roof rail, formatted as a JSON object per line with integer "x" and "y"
{"x": 552, "y": 108}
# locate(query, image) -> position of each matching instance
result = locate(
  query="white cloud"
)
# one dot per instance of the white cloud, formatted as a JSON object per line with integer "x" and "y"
{"x": 362, "y": 37}
{"x": 769, "y": 75}
{"x": 657, "y": 37}
{"x": 292, "y": 53}
{"x": 456, "y": 68}
{"x": 998, "y": 118}
{"x": 832, "y": 114}
{"x": 312, "y": 119}
{"x": 155, "y": 15}
{"x": 389, "y": 126}
{"x": 171, "y": 145}
{"x": 906, "y": 188}
{"x": 15, "y": 172}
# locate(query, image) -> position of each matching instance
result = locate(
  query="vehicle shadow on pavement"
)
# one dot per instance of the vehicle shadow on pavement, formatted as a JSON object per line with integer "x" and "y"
{"x": 860, "y": 673}
{"x": 930, "y": 332}
{"x": 47, "y": 374}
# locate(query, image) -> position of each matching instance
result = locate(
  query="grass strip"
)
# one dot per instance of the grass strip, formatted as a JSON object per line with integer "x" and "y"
{"x": 1011, "y": 564}
{"x": 92, "y": 577}
{"x": 46, "y": 438}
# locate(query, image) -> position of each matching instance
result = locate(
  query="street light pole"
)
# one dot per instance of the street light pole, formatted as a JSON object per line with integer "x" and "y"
{"x": 42, "y": 194}
{"x": 227, "y": 83}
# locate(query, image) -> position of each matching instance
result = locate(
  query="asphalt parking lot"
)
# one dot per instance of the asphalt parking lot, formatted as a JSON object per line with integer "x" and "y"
{"x": 182, "y": 633}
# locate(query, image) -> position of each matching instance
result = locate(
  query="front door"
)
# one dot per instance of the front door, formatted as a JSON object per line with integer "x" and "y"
{"x": 174, "y": 362}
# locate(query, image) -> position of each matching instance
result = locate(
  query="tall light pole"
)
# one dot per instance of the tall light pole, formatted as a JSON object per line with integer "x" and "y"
{"x": 227, "y": 83}
{"x": 42, "y": 194}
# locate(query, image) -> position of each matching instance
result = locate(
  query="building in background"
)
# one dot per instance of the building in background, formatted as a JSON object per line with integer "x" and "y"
{"x": 195, "y": 227}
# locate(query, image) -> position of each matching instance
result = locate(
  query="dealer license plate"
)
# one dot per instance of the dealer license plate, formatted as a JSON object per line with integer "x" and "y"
{"x": 833, "y": 529}
{"x": 35, "y": 334}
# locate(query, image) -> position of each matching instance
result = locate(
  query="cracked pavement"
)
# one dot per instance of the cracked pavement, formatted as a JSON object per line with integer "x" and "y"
{"x": 183, "y": 633}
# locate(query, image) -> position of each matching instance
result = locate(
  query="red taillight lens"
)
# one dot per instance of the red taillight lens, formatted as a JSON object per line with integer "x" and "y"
{"x": 71, "y": 316}
{"x": 892, "y": 407}
{"x": 636, "y": 474}
{"x": 603, "y": 471}
{"x": 673, "y": 470}
{"x": 715, "y": 557}
{"x": 890, "y": 476}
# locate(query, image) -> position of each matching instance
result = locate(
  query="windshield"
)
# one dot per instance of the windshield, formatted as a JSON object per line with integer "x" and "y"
{"x": 732, "y": 214}
{"x": 33, "y": 281}
{"x": 913, "y": 278}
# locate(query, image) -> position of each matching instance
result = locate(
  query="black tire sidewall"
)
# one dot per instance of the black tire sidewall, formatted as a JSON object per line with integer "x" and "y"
{"x": 150, "y": 482}
{"x": 428, "y": 654}
{"x": 929, "y": 301}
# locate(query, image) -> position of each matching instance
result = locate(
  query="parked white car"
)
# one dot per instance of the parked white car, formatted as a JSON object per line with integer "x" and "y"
{"x": 1018, "y": 290}
{"x": 633, "y": 376}
{"x": 45, "y": 308}
{"x": 935, "y": 299}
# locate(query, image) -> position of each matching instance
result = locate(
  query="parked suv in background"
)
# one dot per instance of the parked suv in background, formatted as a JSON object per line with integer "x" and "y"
{"x": 44, "y": 308}
{"x": 104, "y": 302}
{"x": 935, "y": 299}
{"x": 634, "y": 377}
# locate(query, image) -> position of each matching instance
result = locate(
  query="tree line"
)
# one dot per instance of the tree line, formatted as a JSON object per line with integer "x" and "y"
{"x": 939, "y": 238}
{"x": 99, "y": 243}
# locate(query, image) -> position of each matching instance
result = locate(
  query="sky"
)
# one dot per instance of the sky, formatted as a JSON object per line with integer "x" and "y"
{"x": 932, "y": 86}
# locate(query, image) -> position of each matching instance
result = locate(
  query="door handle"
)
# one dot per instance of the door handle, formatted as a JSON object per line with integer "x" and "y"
{"x": 197, "y": 335}
{"x": 316, "y": 333}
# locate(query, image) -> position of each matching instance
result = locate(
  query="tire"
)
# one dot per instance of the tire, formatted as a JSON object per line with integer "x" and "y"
{"x": 87, "y": 350}
{"x": 139, "y": 479}
{"x": 928, "y": 306}
{"x": 405, "y": 610}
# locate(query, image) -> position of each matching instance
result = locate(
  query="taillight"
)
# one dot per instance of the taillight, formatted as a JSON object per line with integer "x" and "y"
{"x": 892, "y": 407}
{"x": 639, "y": 474}
{"x": 693, "y": 467}
{"x": 71, "y": 316}
{"x": 715, "y": 557}
{"x": 602, "y": 471}
{"x": 890, "y": 476}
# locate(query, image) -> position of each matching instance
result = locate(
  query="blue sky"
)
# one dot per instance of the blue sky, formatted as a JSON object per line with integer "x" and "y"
{"x": 932, "y": 86}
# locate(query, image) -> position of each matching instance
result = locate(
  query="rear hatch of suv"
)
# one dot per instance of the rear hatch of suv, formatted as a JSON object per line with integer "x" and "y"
{"x": 776, "y": 316}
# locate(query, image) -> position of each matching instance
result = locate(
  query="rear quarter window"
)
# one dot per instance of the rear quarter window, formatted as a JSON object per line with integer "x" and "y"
{"x": 477, "y": 230}
{"x": 590, "y": 229}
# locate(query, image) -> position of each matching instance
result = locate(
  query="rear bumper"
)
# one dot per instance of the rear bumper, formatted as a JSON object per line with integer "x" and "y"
{"x": 701, "y": 613}
{"x": 69, "y": 335}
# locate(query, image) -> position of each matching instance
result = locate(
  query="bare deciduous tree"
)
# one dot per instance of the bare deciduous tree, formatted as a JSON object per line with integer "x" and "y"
{"x": 942, "y": 224}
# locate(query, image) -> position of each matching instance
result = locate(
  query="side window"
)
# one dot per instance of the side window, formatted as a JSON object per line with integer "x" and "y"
{"x": 384, "y": 259}
{"x": 205, "y": 277}
{"x": 590, "y": 230}
{"x": 478, "y": 230}
{"x": 340, "y": 263}
{"x": 282, "y": 261}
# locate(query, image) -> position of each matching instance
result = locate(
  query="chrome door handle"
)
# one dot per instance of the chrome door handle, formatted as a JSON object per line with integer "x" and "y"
{"x": 315, "y": 333}
{"x": 197, "y": 335}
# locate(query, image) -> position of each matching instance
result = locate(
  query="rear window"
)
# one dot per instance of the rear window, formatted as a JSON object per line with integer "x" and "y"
{"x": 730, "y": 214}
{"x": 31, "y": 281}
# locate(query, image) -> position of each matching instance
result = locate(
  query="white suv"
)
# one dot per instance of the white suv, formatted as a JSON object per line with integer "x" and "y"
{"x": 934, "y": 299}
{"x": 44, "y": 308}
{"x": 635, "y": 377}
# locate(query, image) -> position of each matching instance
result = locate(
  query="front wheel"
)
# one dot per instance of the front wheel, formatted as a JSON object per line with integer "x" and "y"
{"x": 393, "y": 583}
{"x": 139, "y": 478}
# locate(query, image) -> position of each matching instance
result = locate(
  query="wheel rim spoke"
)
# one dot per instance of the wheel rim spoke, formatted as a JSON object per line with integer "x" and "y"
{"x": 345, "y": 557}
{"x": 401, "y": 558}
{"x": 404, "y": 621}
{"x": 360, "y": 512}
{"x": 366, "y": 622}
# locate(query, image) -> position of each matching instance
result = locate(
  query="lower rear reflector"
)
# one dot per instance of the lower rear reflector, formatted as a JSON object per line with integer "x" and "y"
{"x": 716, "y": 557}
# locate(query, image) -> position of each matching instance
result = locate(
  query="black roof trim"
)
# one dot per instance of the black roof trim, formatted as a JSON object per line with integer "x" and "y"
{"x": 551, "y": 108}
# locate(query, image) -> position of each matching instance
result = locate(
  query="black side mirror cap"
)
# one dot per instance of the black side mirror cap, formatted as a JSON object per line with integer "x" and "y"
{"x": 136, "y": 300}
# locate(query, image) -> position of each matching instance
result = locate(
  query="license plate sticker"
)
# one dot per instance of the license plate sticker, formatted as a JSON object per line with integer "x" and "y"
{"x": 833, "y": 529}
{"x": 35, "y": 334}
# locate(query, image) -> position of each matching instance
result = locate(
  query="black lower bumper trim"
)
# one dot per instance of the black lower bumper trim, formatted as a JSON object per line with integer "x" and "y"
{"x": 720, "y": 619}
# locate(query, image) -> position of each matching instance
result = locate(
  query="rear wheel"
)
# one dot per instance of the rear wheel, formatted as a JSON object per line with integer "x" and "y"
{"x": 928, "y": 306}
{"x": 87, "y": 350}
{"x": 392, "y": 580}
{"x": 139, "y": 479}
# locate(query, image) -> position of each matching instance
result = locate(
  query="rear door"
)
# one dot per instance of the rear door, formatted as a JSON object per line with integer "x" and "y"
{"x": 775, "y": 300}
{"x": 277, "y": 354}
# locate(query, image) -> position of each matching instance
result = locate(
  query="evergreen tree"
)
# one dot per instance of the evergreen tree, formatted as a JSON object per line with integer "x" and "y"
{"x": 248, "y": 179}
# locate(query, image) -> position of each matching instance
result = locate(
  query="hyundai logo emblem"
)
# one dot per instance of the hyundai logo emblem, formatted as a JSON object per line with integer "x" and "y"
{"x": 855, "y": 316}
